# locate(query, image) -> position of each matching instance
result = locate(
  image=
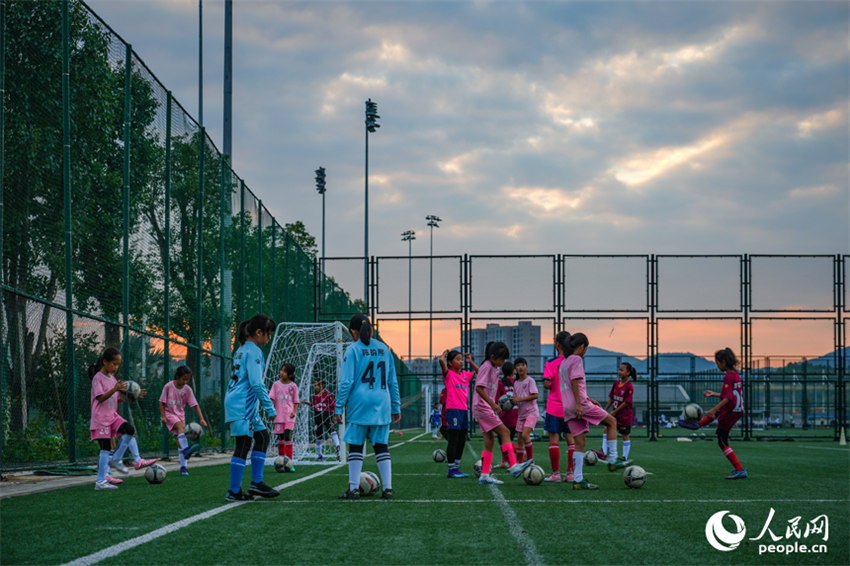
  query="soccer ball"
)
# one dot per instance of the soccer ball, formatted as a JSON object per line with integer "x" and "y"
{"x": 133, "y": 391}
{"x": 590, "y": 458}
{"x": 282, "y": 464}
{"x": 476, "y": 468}
{"x": 634, "y": 476}
{"x": 439, "y": 455}
{"x": 692, "y": 413}
{"x": 194, "y": 431}
{"x": 506, "y": 401}
{"x": 369, "y": 483}
{"x": 155, "y": 474}
{"x": 533, "y": 475}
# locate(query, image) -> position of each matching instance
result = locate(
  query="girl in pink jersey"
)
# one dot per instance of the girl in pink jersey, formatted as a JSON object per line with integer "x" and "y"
{"x": 106, "y": 423}
{"x": 525, "y": 397}
{"x": 621, "y": 399}
{"x": 727, "y": 411}
{"x": 486, "y": 411}
{"x": 456, "y": 404}
{"x": 284, "y": 395}
{"x": 580, "y": 410}
{"x": 176, "y": 395}
{"x": 554, "y": 422}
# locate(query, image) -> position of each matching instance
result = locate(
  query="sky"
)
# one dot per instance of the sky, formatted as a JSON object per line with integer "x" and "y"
{"x": 528, "y": 127}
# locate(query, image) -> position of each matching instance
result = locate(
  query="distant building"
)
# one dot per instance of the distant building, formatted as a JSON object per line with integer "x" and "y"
{"x": 522, "y": 340}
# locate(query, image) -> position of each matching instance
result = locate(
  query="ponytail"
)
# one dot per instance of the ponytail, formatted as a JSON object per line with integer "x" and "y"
{"x": 108, "y": 355}
{"x": 563, "y": 340}
{"x": 242, "y": 332}
{"x": 360, "y": 323}
{"x": 727, "y": 356}
{"x": 257, "y": 323}
{"x": 574, "y": 341}
{"x": 632, "y": 371}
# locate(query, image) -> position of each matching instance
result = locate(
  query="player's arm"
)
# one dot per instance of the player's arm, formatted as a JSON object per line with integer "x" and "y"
{"x": 201, "y": 417}
{"x": 615, "y": 411}
{"x": 395, "y": 396}
{"x": 254, "y": 370}
{"x": 162, "y": 413}
{"x": 708, "y": 393}
{"x": 294, "y": 410}
{"x": 482, "y": 392}
{"x": 717, "y": 407}
{"x": 608, "y": 404}
{"x": 444, "y": 367}
{"x": 531, "y": 397}
{"x": 346, "y": 381}
{"x": 468, "y": 357}
{"x": 119, "y": 386}
{"x": 574, "y": 386}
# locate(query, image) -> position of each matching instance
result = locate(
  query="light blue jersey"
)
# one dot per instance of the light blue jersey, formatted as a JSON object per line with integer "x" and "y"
{"x": 247, "y": 390}
{"x": 368, "y": 387}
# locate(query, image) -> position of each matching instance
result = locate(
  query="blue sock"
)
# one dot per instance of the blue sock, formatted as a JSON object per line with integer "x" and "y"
{"x": 258, "y": 460}
{"x": 237, "y": 468}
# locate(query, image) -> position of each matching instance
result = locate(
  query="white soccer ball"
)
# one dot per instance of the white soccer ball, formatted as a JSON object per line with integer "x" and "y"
{"x": 692, "y": 413}
{"x": 282, "y": 464}
{"x": 476, "y": 468}
{"x": 194, "y": 431}
{"x": 533, "y": 475}
{"x": 590, "y": 458}
{"x": 634, "y": 477}
{"x": 439, "y": 455}
{"x": 369, "y": 483}
{"x": 155, "y": 474}
{"x": 506, "y": 401}
{"x": 133, "y": 391}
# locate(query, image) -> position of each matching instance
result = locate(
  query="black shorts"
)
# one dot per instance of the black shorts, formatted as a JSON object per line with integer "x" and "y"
{"x": 624, "y": 430}
{"x": 323, "y": 423}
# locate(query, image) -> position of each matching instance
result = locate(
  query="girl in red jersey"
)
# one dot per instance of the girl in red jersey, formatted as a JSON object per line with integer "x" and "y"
{"x": 508, "y": 418}
{"x": 323, "y": 411}
{"x": 620, "y": 398}
{"x": 727, "y": 411}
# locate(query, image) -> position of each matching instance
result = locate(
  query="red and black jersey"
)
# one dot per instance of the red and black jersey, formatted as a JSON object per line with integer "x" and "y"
{"x": 324, "y": 402}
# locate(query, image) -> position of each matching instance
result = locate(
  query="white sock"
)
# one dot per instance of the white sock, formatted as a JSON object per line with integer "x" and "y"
{"x": 319, "y": 449}
{"x": 578, "y": 465}
{"x": 627, "y": 444}
{"x": 612, "y": 450}
{"x": 335, "y": 438}
{"x": 103, "y": 465}
{"x": 134, "y": 449}
{"x": 122, "y": 447}
{"x": 355, "y": 466}
{"x": 385, "y": 468}
{"x": 604, "y": 443}
{"x": 183, "y": 443}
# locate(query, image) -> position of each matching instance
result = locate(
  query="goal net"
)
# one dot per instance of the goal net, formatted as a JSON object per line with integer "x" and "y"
{"x": 315, "y": 349}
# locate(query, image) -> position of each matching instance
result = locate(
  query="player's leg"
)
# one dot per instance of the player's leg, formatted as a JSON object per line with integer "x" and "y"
{"x": 355, "y": 436}
{"x": 549, "y": 426}
{"x": 329, "y": 425}
{"x": 262, "y": 438}
{"x": 610, "y": 424}
{"x": 103, "y": 464}
{"x": 380, "y": 438}
{"x": 625, "y": 431}
{"x": 571, "y": 449}
{"x": 487, "y": 457}
{"x": 239, "y": 430}
{"x": 461, "y": 442}
{"x": 287, "y": 444}
{"x": 128, "y": 440}
{"x": 319, "y": 432}
{"x": 578, "y": 430}
{"x": 739, "y": 472}
{"x": 529, "y": 445}
{"x": 520, "y": 445}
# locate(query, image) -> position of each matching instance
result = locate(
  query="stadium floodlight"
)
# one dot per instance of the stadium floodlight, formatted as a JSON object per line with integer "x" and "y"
{"x": 372, "y": 116}
{"x": 371, "y": 126}
{"x": 320, "y": 180}
{"x": 433, "y": 222}
{"x": 408, "y": 236}
{"x": 320, "y": 188}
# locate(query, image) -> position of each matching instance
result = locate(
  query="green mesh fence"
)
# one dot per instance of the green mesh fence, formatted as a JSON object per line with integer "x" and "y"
{"x": 170, "y": 248}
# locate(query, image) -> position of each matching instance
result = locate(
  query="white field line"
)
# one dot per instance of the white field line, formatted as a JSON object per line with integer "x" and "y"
{"x": 825, "y": 448}
{"x": 168, "y": 529}
{"x": 584, "y": 502}
{"x": 523, "y": 539}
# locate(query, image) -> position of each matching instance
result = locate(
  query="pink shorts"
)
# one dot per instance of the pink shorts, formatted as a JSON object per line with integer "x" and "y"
{"x": 529, "y": 422}
{"x": 171, "y": 421}
{"x": 487, "y": 420}
{"x": 110, "y": 431}
{"x": 593, "y": 415}
{"x": 280, "y": 427}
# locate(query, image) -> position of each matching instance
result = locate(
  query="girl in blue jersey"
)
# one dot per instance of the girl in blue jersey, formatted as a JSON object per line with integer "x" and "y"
{"x": 368, "y": 393}
{"x": 242, "y": 409}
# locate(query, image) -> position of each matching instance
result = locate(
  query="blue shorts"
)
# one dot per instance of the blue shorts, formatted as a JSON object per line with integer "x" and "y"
{"x": 244, "y": 427}
{"x": 457, "y": 419}
{"x": 356, "y": 434}
{"x": 555, "y": 424}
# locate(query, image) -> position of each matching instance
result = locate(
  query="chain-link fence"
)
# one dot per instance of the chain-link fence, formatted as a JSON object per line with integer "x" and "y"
{"x": 122, "y": 225}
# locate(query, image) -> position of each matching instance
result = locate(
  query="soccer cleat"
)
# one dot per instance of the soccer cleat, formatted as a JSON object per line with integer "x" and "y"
{"x": 487, "y": 479}
{"x": 519, "y": 468}
{"x": 104, "y": 485}
{"x": 600, "y": 454}
{"x": 619, "y": 464}
{"x": 189, "y": 451}
{"x": 144, "y": 463}
{"x": 686, "y": 424}
{"x": 455, "y": 473}
{"x": 261, "y": 489}
{"x": 388, "y": 494}
{"x": 320, "y": 459}
{"x": 238, "y": 496}
{"x": 738, "y": 475}
{"x": 504, "y": 466}
{"x": 184, "y": 471}
{"x": 350, "y": 494}
{"x": 291, "y": 469}
{"x": 554, "y": 477}
{"x": 114, "y": 481}
{"x": 584, "y": 484}
{"x": 119, "y": 466}
{"x": 570, "y": 476}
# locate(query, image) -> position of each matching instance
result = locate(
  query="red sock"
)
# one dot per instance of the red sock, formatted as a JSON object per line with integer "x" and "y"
{"x": 486, "y": 462}
{"x": 706, "y": 420}
{"x": 508, "y": 451}
{"x": 570, "y": 449}
{"x": 730, "y": 455}
{"x": 529, "y": 451}
{"x": 288, "y": 449}
{"x": 520, "y": 455}
{"x": 555, "y": 457}
{"x": 281, "y": 448}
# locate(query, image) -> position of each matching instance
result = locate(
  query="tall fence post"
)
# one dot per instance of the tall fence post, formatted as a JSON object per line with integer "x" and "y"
{"x": 259, "y": 256}
{"x": 242, "y": 271}
{"x": 199, "y": 280}
{"x": 125, "y": 207}
{"x": 746, "y": 345}
{"x": 274, "y": 313}
{"x": 316, "y": 292}
{"x": 69, "y": 271}
{"x": 4, "y": 329}
{"x": 652, "y": 347}
{"x": 840, "y": 356}
{"x": 226, "y": 307}
{"x": 167, "y": 261}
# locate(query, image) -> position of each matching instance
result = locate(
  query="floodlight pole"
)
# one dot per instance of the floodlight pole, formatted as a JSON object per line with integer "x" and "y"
{"x": 371, "y": 126}
{"x": 433, "y": 222}
{"x": 201, "y": 62}
{"x": 408, "y": 237}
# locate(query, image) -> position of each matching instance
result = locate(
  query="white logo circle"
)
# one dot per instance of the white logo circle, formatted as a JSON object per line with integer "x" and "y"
{"x": 719, "y": 537}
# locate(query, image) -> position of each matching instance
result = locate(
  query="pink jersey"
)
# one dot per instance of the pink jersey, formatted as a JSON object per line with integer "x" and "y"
{"x": 102, "y": 414}
{"x": 488, "y": 378}
{"x": 621, "y": 394}
{"x": 457, "y": 389}
{"x": 176, "y": 400}
{"x": 731, "y": 391}
{"x": 573, "y": 370}
{"x": 554, "y": 406}
{"x": 284, "y": 396}
{"x": 524, "y": 388}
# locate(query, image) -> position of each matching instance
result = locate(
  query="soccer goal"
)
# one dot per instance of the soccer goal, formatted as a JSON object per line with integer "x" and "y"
{"x": 316, "y": 350}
